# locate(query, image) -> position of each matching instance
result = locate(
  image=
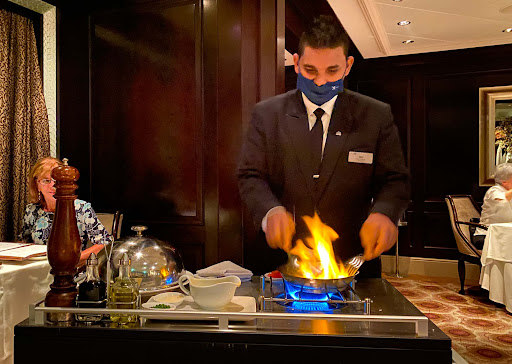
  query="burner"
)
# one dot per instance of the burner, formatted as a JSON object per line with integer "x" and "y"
{"x": 298, "y": 292}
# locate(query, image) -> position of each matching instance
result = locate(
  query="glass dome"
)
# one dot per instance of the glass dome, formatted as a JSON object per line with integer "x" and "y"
{"x": 156, "y": 265}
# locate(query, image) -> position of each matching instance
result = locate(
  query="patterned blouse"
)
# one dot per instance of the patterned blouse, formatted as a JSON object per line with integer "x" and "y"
{"x": 37, "y": 224}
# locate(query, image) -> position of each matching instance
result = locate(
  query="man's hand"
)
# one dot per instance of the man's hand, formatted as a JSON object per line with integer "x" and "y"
{"x": 378, "y": 234}
{"x": 280, "y": 230}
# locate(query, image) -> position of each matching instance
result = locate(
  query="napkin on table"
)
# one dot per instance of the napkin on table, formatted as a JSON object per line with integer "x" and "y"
{"x": 224, "y": 269}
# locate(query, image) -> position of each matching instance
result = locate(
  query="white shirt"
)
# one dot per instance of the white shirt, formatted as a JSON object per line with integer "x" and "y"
{"x": 496, "y": 208}
{"x": 326, "y": 119}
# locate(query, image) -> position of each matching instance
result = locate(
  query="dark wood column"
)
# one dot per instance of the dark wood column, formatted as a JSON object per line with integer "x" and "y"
{"x": 272, "y": 38}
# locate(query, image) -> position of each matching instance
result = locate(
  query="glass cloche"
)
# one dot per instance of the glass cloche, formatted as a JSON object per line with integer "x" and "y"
{"x": 156, "y": 265}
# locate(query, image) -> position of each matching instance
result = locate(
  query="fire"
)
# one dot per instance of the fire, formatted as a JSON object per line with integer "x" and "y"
{"x": 316, "y": 257}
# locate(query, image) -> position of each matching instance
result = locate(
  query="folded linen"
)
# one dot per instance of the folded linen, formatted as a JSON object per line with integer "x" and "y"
{"x": 224, "y": 269}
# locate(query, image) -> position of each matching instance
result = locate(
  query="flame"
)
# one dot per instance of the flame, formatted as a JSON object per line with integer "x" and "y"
{"x": 164, "y": 272}
{"x": 316, "y": 258}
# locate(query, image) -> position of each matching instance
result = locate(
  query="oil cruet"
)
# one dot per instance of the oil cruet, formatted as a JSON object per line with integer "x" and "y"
{"x": 124, "y": 294}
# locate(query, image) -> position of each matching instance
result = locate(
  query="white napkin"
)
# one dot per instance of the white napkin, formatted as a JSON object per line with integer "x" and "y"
{"x": 224, "y": 269}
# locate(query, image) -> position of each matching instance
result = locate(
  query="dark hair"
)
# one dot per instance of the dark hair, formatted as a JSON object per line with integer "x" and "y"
{"x": 324, "y": 32}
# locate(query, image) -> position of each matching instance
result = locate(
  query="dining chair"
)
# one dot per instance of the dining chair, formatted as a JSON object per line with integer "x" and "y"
{"x": 112, "y": 222}
{"x": 462, "y": 208}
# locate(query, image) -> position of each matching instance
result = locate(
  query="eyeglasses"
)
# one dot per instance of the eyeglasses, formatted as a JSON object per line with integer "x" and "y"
{"x": 46, "y": 181}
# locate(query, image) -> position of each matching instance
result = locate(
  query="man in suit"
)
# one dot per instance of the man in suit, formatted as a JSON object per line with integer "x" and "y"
{"x": 325, "y": 149}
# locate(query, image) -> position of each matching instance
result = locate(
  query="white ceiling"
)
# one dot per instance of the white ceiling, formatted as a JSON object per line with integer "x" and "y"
{"x": 436, "y": 25}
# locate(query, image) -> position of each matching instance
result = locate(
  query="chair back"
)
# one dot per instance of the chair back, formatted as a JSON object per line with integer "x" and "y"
{"x": 462, "y": 208}
{"x": 111, "y": 222}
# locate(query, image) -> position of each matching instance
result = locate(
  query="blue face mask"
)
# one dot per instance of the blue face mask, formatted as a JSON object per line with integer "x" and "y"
{"x": 319, "y": 95}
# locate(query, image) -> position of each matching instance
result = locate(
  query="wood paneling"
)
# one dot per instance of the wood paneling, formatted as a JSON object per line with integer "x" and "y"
{"x": 271, "y": 45}
{"x": 395, "y": 93}
{"x": 73, "y": 117}
{"x": 155, "y": 98}
{"x": 229, "y": 131}
{"x": 146, "y": 125}
{"x": 434, "y": 98}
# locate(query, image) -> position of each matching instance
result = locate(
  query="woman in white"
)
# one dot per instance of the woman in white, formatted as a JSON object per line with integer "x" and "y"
{"x": 497, "y": 207}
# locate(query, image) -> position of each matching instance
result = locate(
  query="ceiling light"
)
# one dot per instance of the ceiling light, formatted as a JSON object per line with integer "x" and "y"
{"x": 508, "y": 30}
{"x": 397, "y": 1}
{"x": 408, "y": 41}
{"x": 404, "y": 22}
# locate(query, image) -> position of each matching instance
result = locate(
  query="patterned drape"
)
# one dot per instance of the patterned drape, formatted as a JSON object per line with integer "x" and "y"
{"x": 24, "y": 130}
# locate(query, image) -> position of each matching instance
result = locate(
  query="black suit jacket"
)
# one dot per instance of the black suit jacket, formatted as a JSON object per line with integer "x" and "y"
{"x": 275, "y": 166}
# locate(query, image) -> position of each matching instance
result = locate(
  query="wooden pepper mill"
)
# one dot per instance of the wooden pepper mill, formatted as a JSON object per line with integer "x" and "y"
{"x": 64, "y": 243}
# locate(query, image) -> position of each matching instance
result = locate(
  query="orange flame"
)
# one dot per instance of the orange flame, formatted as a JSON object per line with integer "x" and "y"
{"x": 164, "y": 272}
{"x": 316, "y": 258}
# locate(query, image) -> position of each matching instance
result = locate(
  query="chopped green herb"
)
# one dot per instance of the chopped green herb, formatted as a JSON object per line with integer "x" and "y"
{"x": 161, "y": 305}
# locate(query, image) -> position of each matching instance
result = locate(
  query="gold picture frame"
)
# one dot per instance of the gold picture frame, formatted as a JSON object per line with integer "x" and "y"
{"x": 487, "y": 139}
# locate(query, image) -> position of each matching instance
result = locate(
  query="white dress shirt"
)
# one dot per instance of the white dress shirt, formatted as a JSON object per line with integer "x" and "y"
{"x": 496, "y": 208}
{"x": 326, "y": 117}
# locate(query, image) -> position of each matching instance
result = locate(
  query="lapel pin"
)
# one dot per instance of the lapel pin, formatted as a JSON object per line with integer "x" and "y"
{"x": 338, "y": 133}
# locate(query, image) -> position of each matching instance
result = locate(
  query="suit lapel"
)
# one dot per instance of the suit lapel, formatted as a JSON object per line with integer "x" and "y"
{"x": 339, "y": 128}
{"x": 298, "y": 129}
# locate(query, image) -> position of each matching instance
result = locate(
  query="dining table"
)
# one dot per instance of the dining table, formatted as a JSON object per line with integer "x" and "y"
{"x": 21, "y": 284}
{"x": 496, "y": 259}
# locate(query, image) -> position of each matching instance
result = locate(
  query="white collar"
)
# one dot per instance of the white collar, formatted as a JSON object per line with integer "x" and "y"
{"x": 501, "y": 187}
{"x": 327, "y": 106}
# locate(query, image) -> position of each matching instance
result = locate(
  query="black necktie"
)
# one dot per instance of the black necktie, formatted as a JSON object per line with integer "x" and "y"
{"x": 317, "y": 136}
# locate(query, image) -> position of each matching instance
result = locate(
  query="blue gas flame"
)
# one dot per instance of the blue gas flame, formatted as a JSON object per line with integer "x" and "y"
{"x": 298, "y": 292}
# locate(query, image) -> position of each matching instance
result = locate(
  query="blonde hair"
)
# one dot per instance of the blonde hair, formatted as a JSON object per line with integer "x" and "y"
{"x": 42, "y": 166}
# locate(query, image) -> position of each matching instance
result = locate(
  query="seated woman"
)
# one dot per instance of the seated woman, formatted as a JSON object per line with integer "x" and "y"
{"x": 37, "y": 222}
{"x": 497, "y": 207}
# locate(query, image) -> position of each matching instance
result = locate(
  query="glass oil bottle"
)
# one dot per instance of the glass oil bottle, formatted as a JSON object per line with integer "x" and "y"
{"x": 124, "y": 294}
{"x": 92, "y": 293}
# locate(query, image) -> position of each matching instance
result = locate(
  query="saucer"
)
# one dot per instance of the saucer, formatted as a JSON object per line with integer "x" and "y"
{"x": 167, "y": 298}
{"x": 151, "y": 306}
{"x": 238, "y": 304}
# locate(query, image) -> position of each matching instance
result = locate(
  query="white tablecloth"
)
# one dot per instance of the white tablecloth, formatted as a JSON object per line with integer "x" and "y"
{"x": 21, "y": 283}
{"x": 496, "y": 274}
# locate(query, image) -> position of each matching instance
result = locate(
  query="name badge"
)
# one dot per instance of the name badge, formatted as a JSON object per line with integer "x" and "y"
{"x": 360, "y": 157}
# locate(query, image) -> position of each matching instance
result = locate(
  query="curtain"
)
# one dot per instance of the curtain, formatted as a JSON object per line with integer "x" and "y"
{"x": 24, "y": 130}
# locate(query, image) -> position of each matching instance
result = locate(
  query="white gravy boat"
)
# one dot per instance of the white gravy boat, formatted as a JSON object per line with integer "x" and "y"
{"x": 210, "y": 293}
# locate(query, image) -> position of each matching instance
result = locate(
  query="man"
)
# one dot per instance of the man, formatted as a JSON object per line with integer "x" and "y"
{"x": 348, "y": 167}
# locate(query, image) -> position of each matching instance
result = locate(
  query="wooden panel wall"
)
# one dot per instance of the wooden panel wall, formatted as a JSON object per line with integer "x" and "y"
{"x": 434, "y": 98}
{"x": 155, "y": 97}
{"x": 147, "y": 156}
